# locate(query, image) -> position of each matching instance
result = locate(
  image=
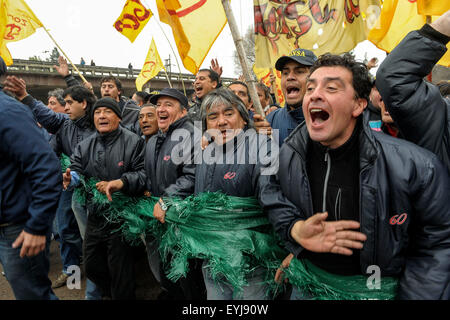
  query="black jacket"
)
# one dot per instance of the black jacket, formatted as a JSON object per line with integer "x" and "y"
{"x": 130, "y": 115}
{"x": 115, "y": 155}
{"x": 416, "y": 106}
{"x": 30, "y": 173}
{"x": 396, "y": 177}
{"x": 168, "y": 170}
{"x": 67, "y": 133}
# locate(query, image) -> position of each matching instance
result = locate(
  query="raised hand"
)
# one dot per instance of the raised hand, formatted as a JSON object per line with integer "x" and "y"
{"x": 216, "y": 67}
{"x": 63, "y": 67}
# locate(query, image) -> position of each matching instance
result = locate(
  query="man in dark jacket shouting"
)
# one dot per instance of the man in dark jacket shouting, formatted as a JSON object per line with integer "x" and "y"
{"x": 368, "y": 202}
{"x": 417, "y": 107}
{"x": 115, "y": 157}
{"x": 169, "y": 168}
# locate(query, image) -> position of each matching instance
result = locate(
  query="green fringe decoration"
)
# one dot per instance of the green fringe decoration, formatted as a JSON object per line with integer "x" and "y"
{"x": 65, "y": 162}
{"x": 133, "y": 215}
{"x": 322, "y": 285}
{"x": 219, "y": 229}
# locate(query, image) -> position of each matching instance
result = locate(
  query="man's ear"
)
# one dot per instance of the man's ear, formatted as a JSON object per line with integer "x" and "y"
{"x": 84, "y": 104}
{"x": 360, "y": 105}
{"x": 215, "y": 85}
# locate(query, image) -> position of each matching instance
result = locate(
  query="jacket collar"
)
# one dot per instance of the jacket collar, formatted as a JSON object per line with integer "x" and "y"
{"x": 173, "y": 126}
{"x": 83, "y": 122}
{"x": 110, "y": 137}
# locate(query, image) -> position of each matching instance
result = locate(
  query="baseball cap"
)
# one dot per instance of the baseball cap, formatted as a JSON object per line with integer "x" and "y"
{"x": 173, "y": 93}
{"x": 303, "y": 56}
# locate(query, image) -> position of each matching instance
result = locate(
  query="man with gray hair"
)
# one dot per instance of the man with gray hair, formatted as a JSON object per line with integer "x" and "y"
{"x": 241, "y": 163}
{"x": 56, "y": 100}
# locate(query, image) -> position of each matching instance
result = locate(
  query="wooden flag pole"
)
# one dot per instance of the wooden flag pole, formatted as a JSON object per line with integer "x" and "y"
{"x": 167, "y": 76}
{"x": 76, "y": 69}
{"x": 242, "y": 57}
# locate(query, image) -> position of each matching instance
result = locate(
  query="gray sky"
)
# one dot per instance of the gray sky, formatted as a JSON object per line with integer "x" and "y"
{"x": 84, "y": 28}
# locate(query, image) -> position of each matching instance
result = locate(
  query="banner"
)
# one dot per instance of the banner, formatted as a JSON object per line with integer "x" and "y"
{"x": 397, "y": 19}
{"x": 321, "y": 26}
{"x": 17, "y": 22}
{"x": 133, "y": 19}
{"x": 152, "y": 65}
{"x": 195, "y": 24}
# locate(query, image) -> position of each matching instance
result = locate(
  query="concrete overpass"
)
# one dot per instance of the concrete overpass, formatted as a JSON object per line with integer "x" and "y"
{"x": 41, "y": 77}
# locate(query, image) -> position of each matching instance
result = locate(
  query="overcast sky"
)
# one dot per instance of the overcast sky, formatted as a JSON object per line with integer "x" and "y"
{"x": 84, "y": 28}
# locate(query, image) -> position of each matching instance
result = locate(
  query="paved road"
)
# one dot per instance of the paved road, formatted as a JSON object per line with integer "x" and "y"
{"x": 146, "y": 288}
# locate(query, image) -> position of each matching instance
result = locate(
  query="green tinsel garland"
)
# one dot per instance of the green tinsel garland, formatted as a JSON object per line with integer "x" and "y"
{"x": 322, "y": 285}
{"x": 65, "y": 162}
{"x": 210, "y": 226}
{"x": 220, "y": 229}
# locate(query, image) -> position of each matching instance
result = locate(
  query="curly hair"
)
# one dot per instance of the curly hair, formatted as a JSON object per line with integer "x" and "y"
{"x": 362, "y": 82}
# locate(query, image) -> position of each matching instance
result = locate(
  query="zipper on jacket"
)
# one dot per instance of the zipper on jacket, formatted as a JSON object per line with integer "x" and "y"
{"x": 325, "y": 185}
{"x": 337, "y": 205}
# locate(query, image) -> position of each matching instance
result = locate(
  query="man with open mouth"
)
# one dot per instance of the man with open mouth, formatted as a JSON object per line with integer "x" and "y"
{"x": 365, "y": 199}
{"x": 294, "y": 69}
{"x": 167, "y": 171}
{"x": 206, "y": 80}
{"x": 115, "y": 157}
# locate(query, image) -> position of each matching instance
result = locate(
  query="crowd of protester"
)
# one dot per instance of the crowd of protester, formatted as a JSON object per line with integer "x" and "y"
{"x": 351, "y": 173}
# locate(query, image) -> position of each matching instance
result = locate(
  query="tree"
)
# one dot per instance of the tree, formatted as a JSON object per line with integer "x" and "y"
{"x": 53, "y": 56}
{"x": 249, "y": 47}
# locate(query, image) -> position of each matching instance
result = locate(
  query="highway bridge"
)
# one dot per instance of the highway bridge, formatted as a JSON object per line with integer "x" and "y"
{"x": 41, "y": 77}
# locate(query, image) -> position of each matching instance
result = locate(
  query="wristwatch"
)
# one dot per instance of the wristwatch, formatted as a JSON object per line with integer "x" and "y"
{"x": 162, "y": 204}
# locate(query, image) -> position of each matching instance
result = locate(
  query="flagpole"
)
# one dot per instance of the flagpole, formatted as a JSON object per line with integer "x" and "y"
{"x": 76, "y": 69}
{"x": 167, "y": 76}
{"x": 242, "y": 57}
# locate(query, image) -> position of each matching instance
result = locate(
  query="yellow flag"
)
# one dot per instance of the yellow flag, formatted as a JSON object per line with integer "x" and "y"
{"x": 397, "y": 19}
{"x": 195, "y": 26}
{"x": 152, "y": 65}
{"x": 17, "y": 22}
{"x": 321, "y": 26}
{"x": 133, "y": 19}
{"x": 432, "y": 7}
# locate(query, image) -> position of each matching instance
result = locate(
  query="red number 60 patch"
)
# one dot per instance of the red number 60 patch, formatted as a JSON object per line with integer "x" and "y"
{"x": 398, "y": 219}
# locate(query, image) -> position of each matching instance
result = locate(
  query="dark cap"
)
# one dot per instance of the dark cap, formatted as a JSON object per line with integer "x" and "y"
{"x": 173, "y": 93}
{"x": 110, "y": 103}
{"x": 302, "y": 56}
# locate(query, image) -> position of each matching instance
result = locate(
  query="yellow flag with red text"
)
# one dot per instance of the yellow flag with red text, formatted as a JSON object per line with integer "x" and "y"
{"x": 317, "y": 25}
{"x": 17, "y": 22}
{"x": 195, "y": 24}
{"x": 133, "y": 19}
{"x": 152, "y": 65}
{"x": 397, "y": 19}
